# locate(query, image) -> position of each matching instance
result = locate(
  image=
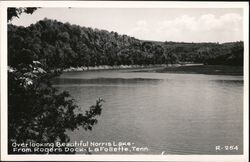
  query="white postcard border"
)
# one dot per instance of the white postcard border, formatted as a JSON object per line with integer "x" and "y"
{"x": 120, "y": 4}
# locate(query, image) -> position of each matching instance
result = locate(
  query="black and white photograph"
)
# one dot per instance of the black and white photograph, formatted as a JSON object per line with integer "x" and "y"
{"x": 124, "y": 78}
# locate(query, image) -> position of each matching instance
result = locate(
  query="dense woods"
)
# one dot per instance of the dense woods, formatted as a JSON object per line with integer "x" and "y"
{"x": 62, "y": 45}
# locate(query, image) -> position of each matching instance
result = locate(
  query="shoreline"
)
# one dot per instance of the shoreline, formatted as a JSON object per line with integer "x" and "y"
{"x": 175, "y": 68}
{"x": 124, "y": 67}
{"x": 205, "y": 69}
{"x": 117, "y": 67}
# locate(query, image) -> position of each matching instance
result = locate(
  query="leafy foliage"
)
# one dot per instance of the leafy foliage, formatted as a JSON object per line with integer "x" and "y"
{"x": 15, "y": 12}
{"x": 38, "y": 112}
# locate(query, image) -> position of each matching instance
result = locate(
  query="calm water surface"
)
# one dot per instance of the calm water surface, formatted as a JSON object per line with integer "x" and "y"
{"x": 175, "y": 113}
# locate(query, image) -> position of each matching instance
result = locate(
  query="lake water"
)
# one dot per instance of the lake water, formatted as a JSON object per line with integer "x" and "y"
{"x": 166, "y": 112}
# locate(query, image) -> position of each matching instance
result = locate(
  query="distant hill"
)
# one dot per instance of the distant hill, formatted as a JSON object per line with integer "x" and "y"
{"x": 63, "y": 45}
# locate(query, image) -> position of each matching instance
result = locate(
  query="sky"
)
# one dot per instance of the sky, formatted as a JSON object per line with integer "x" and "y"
{"x": 158, "y": 24}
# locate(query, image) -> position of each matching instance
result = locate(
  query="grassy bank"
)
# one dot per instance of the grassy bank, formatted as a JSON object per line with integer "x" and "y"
{"x": 204, "y": 69}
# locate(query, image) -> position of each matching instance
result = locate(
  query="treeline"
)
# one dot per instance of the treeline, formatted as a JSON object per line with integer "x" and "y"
{"x": 207, "y": 53}
{"x": 62, "y": 45}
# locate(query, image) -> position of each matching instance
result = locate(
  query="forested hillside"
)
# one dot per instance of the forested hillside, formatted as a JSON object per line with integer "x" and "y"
{"x": 62, "y": 45}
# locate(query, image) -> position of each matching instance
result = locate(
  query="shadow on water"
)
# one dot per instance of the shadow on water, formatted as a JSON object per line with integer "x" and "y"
{"x": 105, "y": 81}
{"x": 235, "y": 82}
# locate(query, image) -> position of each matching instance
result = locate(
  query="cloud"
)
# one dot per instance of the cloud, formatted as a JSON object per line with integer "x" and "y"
{"x": 207, "y": 27}
{"x": 141, "y": 28}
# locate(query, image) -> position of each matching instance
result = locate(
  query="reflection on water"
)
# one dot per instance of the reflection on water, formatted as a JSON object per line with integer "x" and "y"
{"x": 175, "y": 113}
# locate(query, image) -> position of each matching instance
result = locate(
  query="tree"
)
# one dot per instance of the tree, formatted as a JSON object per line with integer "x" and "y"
{"x": 15, "y": 12}
{"x": 37, "y": 111}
